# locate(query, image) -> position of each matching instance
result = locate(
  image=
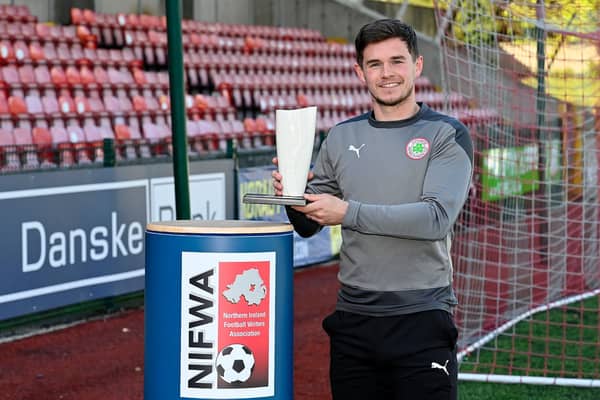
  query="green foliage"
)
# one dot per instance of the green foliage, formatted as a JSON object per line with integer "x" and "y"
{"x": 474, "y": 21}
{"x": 566, "y": 15}
{"x": 478, "y": 22}
{"x": 593, "y": 69}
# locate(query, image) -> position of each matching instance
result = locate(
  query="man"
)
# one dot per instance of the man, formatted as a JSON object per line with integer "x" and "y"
{"x": 395, "y": 179}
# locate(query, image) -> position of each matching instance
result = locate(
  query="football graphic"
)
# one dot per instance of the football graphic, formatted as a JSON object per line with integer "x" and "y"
{"x": 235, "y": 363}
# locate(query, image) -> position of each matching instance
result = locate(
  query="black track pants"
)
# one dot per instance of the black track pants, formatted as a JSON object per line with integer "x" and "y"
{"x": 408, "y": 357}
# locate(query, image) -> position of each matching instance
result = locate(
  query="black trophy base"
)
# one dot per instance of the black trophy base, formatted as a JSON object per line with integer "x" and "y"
{"x": 257, "y": 198}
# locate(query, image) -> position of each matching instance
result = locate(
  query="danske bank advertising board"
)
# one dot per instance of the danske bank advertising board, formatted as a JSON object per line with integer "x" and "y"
{"x": 71, "y": 244}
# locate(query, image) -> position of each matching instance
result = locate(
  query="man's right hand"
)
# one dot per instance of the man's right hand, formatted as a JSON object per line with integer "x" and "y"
{"x": 277, "y": 185}
{"x": 277, "y": 178}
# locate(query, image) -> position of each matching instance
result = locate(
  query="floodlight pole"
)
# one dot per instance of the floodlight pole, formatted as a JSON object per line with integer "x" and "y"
{"x": 177, "y": 95}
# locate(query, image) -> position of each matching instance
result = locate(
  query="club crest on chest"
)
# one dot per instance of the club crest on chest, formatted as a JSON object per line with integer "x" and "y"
{"x": 417, "y": 148}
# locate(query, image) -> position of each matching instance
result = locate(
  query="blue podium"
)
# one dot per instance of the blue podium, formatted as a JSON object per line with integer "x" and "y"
{"x": 218, "y": 310}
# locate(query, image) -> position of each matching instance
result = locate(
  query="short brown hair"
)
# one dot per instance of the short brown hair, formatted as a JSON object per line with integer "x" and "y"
{"x": 383, "y": 29}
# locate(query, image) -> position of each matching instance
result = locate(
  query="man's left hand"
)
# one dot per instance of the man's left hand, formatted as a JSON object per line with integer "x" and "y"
{"x": 324, "y": 209}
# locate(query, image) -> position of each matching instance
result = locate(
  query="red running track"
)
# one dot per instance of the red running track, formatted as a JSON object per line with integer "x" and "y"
{"x": 104, "y": 359}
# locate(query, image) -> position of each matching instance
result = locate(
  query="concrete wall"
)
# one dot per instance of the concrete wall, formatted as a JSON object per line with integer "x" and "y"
{"x": 226, "y": 11}
{"x": 335, "y": 19}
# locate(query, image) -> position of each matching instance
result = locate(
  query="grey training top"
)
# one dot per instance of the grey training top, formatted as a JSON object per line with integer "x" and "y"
{"x": 406, "y": 182}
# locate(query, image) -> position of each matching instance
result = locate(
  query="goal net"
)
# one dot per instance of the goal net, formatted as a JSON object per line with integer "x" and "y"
{"x": 527, "y": 252}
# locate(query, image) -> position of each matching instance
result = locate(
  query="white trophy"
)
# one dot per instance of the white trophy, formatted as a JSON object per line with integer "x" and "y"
{"x": 295, "y": 138}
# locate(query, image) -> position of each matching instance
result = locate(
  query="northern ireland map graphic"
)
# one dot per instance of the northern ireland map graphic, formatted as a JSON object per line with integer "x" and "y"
{"x": 248, "y": 284}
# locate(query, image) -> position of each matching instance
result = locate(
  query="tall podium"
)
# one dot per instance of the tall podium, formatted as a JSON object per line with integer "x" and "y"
{"x": 218, "y": 310}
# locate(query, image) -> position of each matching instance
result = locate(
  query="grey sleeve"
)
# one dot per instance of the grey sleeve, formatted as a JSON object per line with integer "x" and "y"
{"x": 445, "y": 190}
{"x": 324, "y": 180}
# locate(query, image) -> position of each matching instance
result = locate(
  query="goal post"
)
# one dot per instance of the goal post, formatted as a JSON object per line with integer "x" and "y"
{"x": 526, "y": 249}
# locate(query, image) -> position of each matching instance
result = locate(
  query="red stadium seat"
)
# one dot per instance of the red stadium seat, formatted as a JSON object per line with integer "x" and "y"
{"x": 125, "y": 104}
{"x": 101, "y": 75}
{"x": 206, "y": 139}
{"x": 3, "y": 104}
{"x": 90, "y": 56}
{"x": 36, "y": 52}
{"x": 96, "y": 106}
{"x": 63, "y": 53}
{"x": 122, "y": 132}
{"x": 72, "y": 76}
{"x": 16, "y": 105}
{"x": 24, "y": 140}
{"x": 84, "y": 34}
{"x": 133, "y": 21}
{"x": 103, "y": 55}
{"x": 151, "y": 102}
{"x": 266, "y": 127}
{"x": 43, "y": 140}
{"x": 164, "y": 103}
{"x": 89, "y": 16}
{"x": 50, "y": 104}
{"x": 26, "y": 75}
{"x": 139, "y": 77}
{"x": 134, "y": 128}
{"x": 163, "y": 79}
{"x": 66, "y": 104}
{"x": 82, "y": 149}
{"x": 9, "y": 154}
{"x": 112, "y": 105}
{"x": 116, "y": 57}
{"x": 139, "y": 104}
{"x": 7, "y": 53}
{"x": 94, "y": 138}
{"x": 82, "y": 106}
{"x": 49, "y": 50}
{"x": 134, "y": 147}
{"x": 21, "y": 13}
{"x": 34, "y": 104}
{"x": 76, "y": 16}
{"x": 58, "y": 76}
{"x": 13, "y": 31}
{"x": 151, "y": 131}
{"x": 77, "y": 53}
{"x": 115, "y": 77}
{"x": 124, "y": 142}
{"x": 130, "y": 59}
{"x": 149, "y": 55}
{"x": 66, "y": 156}
{"x": 42, "y": 76}
{"x": 21, "y": 51}
{"x": 6, "y": 122}
{"x": 118, "y": 37}
{"x": 10, "y": 74}
{"x": 42, "y": 30}
{"x": 87, "y": 77}
{"x": 59, "y": 135}
{"x": 107, "y": 36}
{"x": 67, "y": 33}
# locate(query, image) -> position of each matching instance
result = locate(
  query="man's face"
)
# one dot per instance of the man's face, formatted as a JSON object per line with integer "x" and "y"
{"x": 389, "y": 72}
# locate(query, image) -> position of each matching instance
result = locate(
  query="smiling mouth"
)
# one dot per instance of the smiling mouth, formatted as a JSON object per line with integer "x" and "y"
{"x": 389, "y": 85}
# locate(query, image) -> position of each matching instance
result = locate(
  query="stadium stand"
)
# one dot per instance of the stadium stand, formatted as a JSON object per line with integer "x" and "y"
{"x": 104, "y": 76}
